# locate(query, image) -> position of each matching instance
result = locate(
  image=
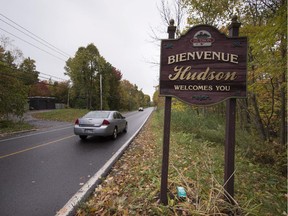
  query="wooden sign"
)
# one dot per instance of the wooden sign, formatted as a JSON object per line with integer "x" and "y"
{"x": 204, "y": 66}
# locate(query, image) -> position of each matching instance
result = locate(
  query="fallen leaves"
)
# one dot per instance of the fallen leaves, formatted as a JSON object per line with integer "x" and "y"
{"x": 131, "y": 184}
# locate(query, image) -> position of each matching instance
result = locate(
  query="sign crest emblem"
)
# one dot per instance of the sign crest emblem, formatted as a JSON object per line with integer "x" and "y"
{"x": 202, "y": 39}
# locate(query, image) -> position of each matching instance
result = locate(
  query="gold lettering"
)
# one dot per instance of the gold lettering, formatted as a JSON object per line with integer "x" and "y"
{"x": 231, "y": 76}
{"x": 199, "y": 55}
{"x": 216, "y": 55}
{"x": 194, "y": 88}
{"x": 234, "y": 58}
{"x": 179, "y": 74}
{"x": 182, "y": 57}
{"x": 203, "y": 75}
{"x": 171, "y": 59}
{"x": 206, "y": 55}
{"x": 219, "y": 76}
{"x": 184, "y": 73}
{"x": 191, "y": 55}
{"x": 223, "y": 57}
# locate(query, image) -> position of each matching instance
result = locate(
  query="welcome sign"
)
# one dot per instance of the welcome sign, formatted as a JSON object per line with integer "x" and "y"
{"x": 204, "y": 66}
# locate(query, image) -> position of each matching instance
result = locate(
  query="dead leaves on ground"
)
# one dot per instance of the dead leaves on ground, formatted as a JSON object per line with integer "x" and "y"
{"x": 132, "y": 183}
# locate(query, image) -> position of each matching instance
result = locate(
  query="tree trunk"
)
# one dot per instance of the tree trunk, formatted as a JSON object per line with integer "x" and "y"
{"x": 283, "y": 123}
{"x": 258, "y": 121}
{"x": 283, "y": 89}
{"x": 243, "y": 113}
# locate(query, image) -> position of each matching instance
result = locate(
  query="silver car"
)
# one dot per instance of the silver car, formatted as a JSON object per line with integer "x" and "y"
{"x": 100, "y": 123}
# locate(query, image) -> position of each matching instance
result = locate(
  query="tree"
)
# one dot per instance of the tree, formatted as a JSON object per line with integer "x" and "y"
{"x": 27, "y": 71}
{"x": 147, "y": 101}
{"x": 85, "y": 70}
{"x": 82, "y": 70}
{"x": 114, "y": 78}
{"x": 60, "y": 91}
{"x": 176, "y": 11}
{"x": 266, "y": 27}
{"x": 13, "y": 92}
{"x": 40, "y": 89}
{"x": 13, "y": 97}
{"x": 215, "y": 13}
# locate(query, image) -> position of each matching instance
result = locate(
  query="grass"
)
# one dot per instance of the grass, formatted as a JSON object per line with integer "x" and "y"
{"x": 197, "y": 164}
{"x": 7, "y": 126}
{"x": 67, "y": 115}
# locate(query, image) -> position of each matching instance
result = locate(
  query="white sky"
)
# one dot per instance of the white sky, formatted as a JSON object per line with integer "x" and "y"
{"x": 119, "y": 29}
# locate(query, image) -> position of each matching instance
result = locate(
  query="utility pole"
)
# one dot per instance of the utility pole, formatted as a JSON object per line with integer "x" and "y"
{"x": 101, "y": 103}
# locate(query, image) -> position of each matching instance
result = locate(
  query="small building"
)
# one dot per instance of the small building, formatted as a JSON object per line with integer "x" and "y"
{"x": 41, "y": 103}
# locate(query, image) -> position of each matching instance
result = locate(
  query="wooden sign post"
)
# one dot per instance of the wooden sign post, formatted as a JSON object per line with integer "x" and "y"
{"x": 203, "y": 67}
{"x": 230, "y": 131}
{"x": 166, "y": 134}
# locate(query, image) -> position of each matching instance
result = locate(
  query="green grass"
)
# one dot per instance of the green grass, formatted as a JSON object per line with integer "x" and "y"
{"x": 67, "y": 115}
{"x": 7, "y": 126}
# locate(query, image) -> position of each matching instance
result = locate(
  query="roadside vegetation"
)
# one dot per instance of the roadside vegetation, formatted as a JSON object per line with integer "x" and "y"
{"x": 8, "y": 126}
{"x": 197, "y": 164}
{"x": 67, "y": 115}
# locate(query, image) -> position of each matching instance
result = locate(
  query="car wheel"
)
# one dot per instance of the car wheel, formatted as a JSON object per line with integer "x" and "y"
{"x": 126, "y": 128}
{"x": 115, "y": 133}
{"x": 83, "y": 137}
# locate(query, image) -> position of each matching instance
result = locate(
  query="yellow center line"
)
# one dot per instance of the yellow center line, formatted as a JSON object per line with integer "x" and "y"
{"x": 28, "y": 149}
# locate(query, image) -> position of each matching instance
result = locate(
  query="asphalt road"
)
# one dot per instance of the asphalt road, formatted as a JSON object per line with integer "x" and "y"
{"x": 41, "y": 170}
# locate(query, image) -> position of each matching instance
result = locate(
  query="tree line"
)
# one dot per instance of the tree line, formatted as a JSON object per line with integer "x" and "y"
{"x": 97, "y": 84}
{"x": 20, "y": 80}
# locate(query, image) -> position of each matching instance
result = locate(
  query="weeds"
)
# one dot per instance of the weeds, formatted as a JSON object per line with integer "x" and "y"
{"x": 7, "y": 126}
{"x": 197, "y": 164}
{"x": 67, "y": 115}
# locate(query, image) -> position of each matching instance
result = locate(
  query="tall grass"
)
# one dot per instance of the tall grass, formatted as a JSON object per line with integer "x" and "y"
{"x": 196, "y": 162}
{"x": 197, "y": 143}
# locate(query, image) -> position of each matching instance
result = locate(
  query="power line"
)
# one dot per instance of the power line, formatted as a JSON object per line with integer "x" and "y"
{"x": 52, "y": 76}
{"x": 39, "y": 74}
{"x": 33, "y": 45}
{"x": 40, "y": 39}
{"x": 35, "y": 39}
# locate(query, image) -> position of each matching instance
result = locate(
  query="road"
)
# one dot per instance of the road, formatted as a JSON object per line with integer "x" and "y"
{"x": 41, "y": 170}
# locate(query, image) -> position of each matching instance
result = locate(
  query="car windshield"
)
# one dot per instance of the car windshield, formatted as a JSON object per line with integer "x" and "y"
{"x": 97, "y": 114}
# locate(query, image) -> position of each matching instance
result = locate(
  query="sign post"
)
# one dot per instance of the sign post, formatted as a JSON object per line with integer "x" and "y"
{"x": 166, "y": 134}
{"x": 230, "y": 131}
{"x": 203, "y": 67}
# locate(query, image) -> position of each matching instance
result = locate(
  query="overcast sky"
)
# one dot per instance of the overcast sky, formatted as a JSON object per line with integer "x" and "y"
{"x": 119, "y": 29}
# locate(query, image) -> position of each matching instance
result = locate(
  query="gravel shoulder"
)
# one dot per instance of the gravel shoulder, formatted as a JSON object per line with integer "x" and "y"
{"x": 41, "y": 124}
